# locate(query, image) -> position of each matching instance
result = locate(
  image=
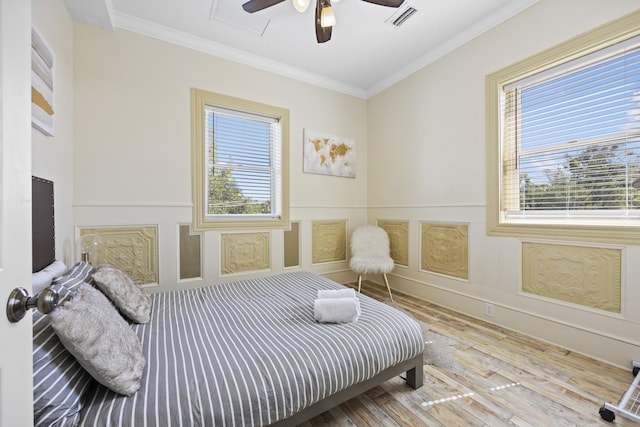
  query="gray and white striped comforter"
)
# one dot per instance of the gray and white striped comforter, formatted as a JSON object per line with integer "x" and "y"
{"x": 249, "y": 353}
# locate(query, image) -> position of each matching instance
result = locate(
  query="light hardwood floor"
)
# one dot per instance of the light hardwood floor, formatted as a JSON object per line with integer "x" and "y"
{"x": 509, "y": 380}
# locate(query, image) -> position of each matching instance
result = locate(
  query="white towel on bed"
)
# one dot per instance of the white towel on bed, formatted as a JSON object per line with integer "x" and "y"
{"x": 336, "y": 310}
{"x": 336, "y": 293}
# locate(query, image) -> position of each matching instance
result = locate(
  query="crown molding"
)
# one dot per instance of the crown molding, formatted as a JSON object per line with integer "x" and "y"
{"x": 160, "y": 32}
{"x": 479, "y": 28}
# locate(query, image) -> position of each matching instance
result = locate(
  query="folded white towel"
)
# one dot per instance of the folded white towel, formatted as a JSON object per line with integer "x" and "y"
{"x": 336, "y": 293}
{"x": 336, "y": 310}
{"x": 43, "y": 278}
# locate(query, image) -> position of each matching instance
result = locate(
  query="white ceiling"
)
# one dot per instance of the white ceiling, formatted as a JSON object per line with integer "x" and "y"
{"x": 365, "y": 55}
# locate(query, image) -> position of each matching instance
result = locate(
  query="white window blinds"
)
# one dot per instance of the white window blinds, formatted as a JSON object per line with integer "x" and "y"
{"x": 571, "y": 138}
{"x": 243, "y": 163}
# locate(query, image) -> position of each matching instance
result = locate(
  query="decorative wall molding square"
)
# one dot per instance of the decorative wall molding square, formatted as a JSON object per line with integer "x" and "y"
{"x": 584, "y": 275}
{"x": 329, "y": 241}
{"x": 190, "y": 250}
{"x": 398, "y": 232}
{"x": 292, "y": 245}
{"x": 133, "y": 250}
{"x": 445, "y": 249}
{"x": 242, "y": 252}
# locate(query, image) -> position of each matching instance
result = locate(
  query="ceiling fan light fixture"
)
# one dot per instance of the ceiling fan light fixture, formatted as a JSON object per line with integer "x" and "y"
{"x": 327, "y": 17}
{"x": 301, "y": 5}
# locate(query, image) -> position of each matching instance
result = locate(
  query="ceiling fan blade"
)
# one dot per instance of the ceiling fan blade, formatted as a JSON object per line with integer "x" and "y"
{"x": 256, "y": 5}
{"x": 388, "y": 3}
{"x": 323, "y": 34}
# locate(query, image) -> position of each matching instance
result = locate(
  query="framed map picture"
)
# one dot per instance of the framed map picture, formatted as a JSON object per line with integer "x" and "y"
{"x": 327, "y": 154}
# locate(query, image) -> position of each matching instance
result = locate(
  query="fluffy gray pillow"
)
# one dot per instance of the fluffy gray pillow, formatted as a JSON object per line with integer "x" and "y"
{"x": 102, "y": 342}
{"x": 125, "y": 294}
{"x": 59, "y": 381}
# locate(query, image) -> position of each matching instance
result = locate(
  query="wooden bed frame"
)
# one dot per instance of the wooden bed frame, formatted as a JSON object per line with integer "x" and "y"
{"x": 44, "y": 254}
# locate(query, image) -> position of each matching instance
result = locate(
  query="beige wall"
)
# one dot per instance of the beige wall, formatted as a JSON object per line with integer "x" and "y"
{"x": 133, "y": 144}
{"x": 431, "y": 125}
{"x": 52, "y": 156}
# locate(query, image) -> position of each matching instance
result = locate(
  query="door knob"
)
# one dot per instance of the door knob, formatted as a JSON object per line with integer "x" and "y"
{"x": 20, "y": 301}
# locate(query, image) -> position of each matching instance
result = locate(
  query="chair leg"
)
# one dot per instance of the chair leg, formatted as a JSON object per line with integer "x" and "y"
{"x": 359, "y": 282}
{"x": 386, "y": 281}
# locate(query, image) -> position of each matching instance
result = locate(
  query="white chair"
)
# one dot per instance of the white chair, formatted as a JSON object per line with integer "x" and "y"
{"x": 370, "y": 253}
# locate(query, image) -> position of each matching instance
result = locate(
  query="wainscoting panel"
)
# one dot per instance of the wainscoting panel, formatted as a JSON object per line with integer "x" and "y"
{"x": 242, "y": 252}
{"x": 292, "y": 246}
{"x": 190, "y": 253}
{"x": 134, "y": 250}
{"x": 398, "y": 232}
{"x": 329, "y": 241}
{"x": 445, "y": 249}
{"x": 584, "y": 275}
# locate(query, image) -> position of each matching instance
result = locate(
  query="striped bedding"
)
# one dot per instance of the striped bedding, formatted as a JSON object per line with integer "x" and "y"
{"x": 249, "y": 353}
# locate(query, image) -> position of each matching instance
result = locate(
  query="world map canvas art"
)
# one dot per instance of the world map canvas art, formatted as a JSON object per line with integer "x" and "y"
{"x": 329, "y": 154}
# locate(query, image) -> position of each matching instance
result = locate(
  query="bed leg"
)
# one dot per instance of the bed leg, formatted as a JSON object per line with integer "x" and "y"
{"x": 415, "y": 374}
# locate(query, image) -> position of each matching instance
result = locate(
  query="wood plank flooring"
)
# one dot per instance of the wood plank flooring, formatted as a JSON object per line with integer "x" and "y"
{"x": 509, "y": 380}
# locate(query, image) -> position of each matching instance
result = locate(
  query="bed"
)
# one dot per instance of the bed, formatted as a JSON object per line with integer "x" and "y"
{"x": 247, "y": 353}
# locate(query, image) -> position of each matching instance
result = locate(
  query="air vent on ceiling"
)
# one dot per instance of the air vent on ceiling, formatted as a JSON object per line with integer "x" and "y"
{"x": 229, "y": 12}
{"x": 401, "y": 16}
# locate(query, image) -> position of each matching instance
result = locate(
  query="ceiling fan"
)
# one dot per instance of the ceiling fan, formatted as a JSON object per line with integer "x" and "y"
{"x": 325, "y": 19}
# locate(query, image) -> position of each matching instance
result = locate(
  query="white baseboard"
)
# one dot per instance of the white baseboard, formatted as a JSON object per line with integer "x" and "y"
{"x": 581, "y": 339}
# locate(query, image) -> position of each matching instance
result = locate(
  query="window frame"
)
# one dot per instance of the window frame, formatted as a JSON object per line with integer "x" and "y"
{"x": 497, "y": 223}
{"x": 201, "y": 221}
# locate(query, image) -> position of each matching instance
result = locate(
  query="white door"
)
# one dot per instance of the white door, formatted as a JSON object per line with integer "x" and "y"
{"x": 16, "y": 376}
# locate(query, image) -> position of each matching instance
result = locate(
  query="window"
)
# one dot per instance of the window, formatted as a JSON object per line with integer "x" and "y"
{"x": 564, "y": 140}
{"x": 240, "y": 163}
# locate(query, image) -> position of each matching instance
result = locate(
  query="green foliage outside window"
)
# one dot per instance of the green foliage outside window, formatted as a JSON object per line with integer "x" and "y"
{"x": 593, "y": 179}
{"x": 222, "y": 186}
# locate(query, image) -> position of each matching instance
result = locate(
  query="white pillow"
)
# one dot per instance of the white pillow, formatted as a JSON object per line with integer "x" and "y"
{"x": 102, "y": 342}
{"x": 41, "y": 279}
{"x": 126, "y": 295}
